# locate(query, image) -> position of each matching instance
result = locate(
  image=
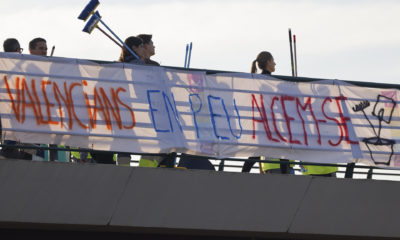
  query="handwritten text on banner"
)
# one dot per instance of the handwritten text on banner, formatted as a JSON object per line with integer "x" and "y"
{"x": 123, "y": 107}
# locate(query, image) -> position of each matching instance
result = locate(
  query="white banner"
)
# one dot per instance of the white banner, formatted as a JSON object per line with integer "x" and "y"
{"x": 144, "y": 109}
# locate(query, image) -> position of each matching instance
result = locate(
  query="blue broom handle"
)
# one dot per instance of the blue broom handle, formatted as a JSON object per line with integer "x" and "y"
{"x": 190, "y": 54}
{"x": 115, "y": 35}
{"x": 186, "y": 54}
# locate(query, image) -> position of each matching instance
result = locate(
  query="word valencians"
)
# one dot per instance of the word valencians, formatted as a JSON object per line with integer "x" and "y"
{"x": 27, "y": 96}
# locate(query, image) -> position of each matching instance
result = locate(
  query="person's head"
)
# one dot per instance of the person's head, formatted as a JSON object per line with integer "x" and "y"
{"x": 136, "y": 44}
{"x": 265, "y": 61}
{"x": 12, "y": 45}
{"x": 38, "y": 46}
{"x": 147, "y": 44}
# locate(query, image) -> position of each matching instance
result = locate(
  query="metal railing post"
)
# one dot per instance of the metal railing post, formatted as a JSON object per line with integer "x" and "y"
{"x": 349, "y": 170}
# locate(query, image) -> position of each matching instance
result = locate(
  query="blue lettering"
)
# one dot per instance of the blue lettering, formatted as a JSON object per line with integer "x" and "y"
{"x": 215, "y": 115}
{"x": 174, "y": 111}
{"x": 153, "y": 110}
{"x": 195, "y": 112}
{"x": 229, "y": 122}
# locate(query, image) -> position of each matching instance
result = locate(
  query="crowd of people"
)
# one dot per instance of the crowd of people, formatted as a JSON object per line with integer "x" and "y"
{"x": 143, "y": 47}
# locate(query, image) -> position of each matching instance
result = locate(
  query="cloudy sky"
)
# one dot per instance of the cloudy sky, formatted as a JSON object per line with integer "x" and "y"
{"x": 336, "y": 39}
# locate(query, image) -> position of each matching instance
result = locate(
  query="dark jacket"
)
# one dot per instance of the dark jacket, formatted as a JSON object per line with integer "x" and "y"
{"x": 151, "y": 62}
{"x": 266, "y": 72}
{"x": 134, "y": 60}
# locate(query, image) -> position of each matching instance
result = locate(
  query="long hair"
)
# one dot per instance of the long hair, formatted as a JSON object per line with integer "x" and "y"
{"x": 261, "y": 61}
{"x": 125, "y": 53}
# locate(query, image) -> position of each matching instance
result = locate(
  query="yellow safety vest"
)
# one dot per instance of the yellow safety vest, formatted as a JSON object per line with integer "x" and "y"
{"x": 149, "y": 161}
{"x": 317, "y": 170}
{"x": 269, "y": 166}
{"x": 77, "y": 155}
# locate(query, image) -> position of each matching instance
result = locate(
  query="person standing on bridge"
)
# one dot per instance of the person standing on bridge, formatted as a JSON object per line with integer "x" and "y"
{"x": 266, "y": 63}
{"x": 12, "y": 45}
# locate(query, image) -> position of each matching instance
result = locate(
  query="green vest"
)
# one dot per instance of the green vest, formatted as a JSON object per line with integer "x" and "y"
{"x": 269, "y": 166}
{"x": 86, "y": 156}
{"x": 77, "y": 155}
{"x": 317, "y": 170}
{"x": 150, "y": 161}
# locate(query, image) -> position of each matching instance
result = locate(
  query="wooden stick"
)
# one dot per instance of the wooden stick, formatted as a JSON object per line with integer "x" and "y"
{"x": 52, "y": 51}
{"x": 291, "y": 51}
{"x": 101, "y": 30}
{"x": 295, "y": 55}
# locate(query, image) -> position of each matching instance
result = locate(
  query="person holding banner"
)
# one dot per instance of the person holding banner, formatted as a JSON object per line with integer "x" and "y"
{"x": 136, "y": 45}
{"x": 11, "y": 45}
{"x": 265, "y": 62}
{"x": 36, "y": 47}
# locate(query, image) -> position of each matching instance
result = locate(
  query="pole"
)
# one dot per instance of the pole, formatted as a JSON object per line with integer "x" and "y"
{"x": 291, "y": 51}
{"x": 295, "y": 55}
{"x": 190, "y": 54}
{"x": 112, "y": 39}
{"x": 52, "y": 51}
{"x": 115, "y": 35}
{"x": 186, "y": 55}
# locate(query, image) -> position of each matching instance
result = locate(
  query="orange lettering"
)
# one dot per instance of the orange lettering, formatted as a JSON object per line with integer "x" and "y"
{"x": 127, "y": 107}
{"x": 68, "y": 102}
{"x": 48, "y": 104}
{"x": 71, "y": 100}
{"x": 14, "y": 107}
{"x": 115, "y": 109}
{"x": 25, "y": 89}
{"x": 106, "y": 113}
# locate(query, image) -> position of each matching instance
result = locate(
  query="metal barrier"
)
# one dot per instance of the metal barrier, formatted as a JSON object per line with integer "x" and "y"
{"x": 350, "y": 170}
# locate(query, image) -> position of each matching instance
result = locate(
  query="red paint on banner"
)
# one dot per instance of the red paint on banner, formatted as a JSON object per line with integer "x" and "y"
{"x": 302, "y": 105}
{"x": 274, "y": 119}
{"x": 24, "y": 97}
{"x": 263, "y": 120}
{"x": 288, "y": 118}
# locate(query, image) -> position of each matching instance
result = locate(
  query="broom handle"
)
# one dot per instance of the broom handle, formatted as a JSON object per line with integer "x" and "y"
{"x": 115, "y": 35}
{"x": 291, "y": 51}
{"x": 112, "y": 39}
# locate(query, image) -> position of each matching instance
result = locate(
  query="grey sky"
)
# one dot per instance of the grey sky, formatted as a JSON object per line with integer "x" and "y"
{"x": 351, "y": 40}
